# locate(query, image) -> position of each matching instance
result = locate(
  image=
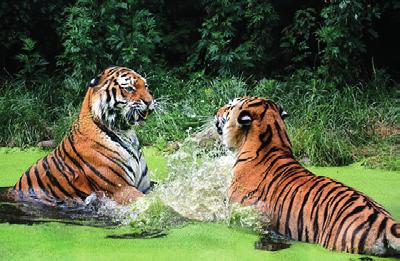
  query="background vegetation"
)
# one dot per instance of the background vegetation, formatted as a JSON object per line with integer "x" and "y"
{"x": 334, "y": 65}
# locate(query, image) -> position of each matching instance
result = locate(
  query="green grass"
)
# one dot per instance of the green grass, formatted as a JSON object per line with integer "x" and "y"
{"x": 196, "y": 241}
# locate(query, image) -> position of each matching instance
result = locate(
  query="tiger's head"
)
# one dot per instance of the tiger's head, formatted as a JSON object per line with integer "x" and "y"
{"x": 246, "y": 116}
{"x": 120, "y": 98}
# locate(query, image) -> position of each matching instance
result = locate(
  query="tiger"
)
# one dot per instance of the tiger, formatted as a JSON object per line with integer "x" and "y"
{"x": 301, "y": 205}
{"x": 100, "y": 155}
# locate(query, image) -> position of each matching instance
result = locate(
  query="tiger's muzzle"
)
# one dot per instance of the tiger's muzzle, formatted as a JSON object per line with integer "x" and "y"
{"x": 138, "y": 113}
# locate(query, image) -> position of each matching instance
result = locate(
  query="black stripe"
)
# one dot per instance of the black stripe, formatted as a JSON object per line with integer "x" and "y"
{"x": 53, "y": 193}
{"x": 72, "y": 159}
{"x": 300, "y": 222}
{"x": 268, "y": 154}
{"x": 349, "y": 203}
{"x": 106, "y": 148}
{"x": 325, "y": 207}
{"x": 264, "y": 141}
{"x": 114, "y": 93}
{"x": 279, "y": 130}
{"x": 354, "y": 196}
{"x": 344, "y": 236}
{"x": 288, "y": 170}
{"x": 371, "y": 220}
{"x": 381, "y": 228}
{"x": 53, "y": 179}
{"x": 241, "y": 160}
{"x": 39, "y": 180}
{"x": 332, "y": 216}
{"x": 271, "y": 165}
{"x": 19, "y": 188}
{"x": 82, "y": 195}
{"x": 112, "y": 71}
{"x": 255, "y": 104}
{"x": 275, "y": 196}
{"x": 120, "y": 165}
{"x": 289, "y": 211}
{"x": 115, "y": 138}
{"x": 30, "y": 188}
{"x": 283, "y": 201}
{"x": 93, "y": 169}
{"x": 262, "y": 115}
{"x": 338, "y": 199}
{"x": 18, "y": 184}
{"x": 353, "y": 236}
{"x": 144, "y": 174}
{"x": 318, "y": 195}
{"x": 108, "y": 99}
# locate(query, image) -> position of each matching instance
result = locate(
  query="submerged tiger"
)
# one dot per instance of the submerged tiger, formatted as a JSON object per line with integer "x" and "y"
{"x": 101, "y": 152}
{"x": 301, "y": 205}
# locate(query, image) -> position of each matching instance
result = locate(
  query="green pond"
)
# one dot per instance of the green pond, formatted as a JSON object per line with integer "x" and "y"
{"x": 196, "y": 241}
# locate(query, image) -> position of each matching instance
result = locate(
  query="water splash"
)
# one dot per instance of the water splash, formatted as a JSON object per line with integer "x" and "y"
{"x": 197, "y": 185}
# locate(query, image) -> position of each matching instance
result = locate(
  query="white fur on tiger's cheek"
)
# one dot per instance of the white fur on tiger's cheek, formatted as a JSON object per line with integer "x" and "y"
{"x": 96, "y": 107}
{"x": 226, "y": 138}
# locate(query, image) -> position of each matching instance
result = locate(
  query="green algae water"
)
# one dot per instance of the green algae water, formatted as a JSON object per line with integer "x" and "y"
{"x": 195, "y": 241}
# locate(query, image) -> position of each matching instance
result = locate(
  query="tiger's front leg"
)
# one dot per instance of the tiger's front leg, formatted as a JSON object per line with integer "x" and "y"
{"x": 126, "y": 194}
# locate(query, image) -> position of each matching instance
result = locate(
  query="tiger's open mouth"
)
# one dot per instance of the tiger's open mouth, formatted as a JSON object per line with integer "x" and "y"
{"x": 135, "y": 117}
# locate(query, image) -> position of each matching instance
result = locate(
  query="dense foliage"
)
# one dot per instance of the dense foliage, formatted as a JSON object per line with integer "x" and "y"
{"x": 332, "y": 64}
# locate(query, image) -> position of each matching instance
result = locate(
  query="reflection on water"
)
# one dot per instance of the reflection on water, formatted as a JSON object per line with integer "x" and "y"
{"x": 143, "y": 234}
{"x": 271, "y": 242}
{"x": 99, "y": 213}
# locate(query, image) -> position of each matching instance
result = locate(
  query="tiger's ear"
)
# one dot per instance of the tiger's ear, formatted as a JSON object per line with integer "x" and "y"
{"x": 244, "y": 118}
{"x": 282, "y": 112}
{"x": 93, "y": 82}
{"x": 284, "y": 115}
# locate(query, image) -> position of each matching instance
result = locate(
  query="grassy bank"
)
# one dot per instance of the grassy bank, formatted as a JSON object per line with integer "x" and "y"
{"x": 328, "y": 125}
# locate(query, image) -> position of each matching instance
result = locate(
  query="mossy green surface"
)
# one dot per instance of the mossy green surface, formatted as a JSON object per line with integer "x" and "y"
{"x": 156, "y": 163}
{"x": 197, "y": 241}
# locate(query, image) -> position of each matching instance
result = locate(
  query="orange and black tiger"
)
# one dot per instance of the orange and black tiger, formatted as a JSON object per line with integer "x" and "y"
{"x": 301, "y": 205}
{"x": 101, "y": 152}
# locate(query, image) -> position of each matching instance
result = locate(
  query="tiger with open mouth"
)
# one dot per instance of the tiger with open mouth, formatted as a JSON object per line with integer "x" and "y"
{"x": 101, "y": 152}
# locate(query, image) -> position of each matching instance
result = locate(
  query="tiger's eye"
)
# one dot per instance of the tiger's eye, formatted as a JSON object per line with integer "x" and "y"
{"x": 129, "y": 89}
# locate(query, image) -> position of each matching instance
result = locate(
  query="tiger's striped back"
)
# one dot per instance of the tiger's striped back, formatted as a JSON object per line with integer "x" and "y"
{"x": 101, "y": 153}
{"x": 301, "y": 205}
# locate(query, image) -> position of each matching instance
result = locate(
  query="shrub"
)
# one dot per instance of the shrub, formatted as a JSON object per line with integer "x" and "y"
{"x": 235, "y": 36}
{"x": 127, "y": 37}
